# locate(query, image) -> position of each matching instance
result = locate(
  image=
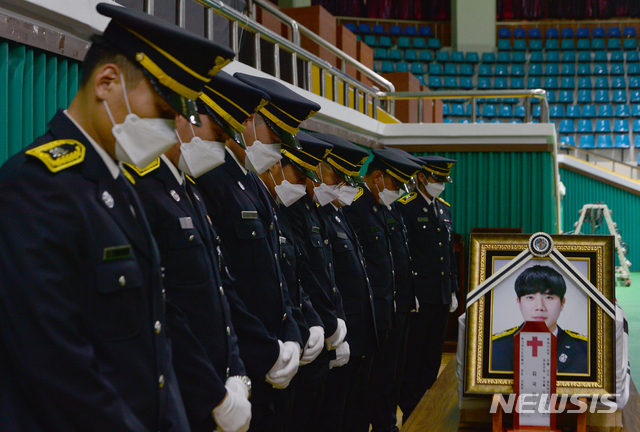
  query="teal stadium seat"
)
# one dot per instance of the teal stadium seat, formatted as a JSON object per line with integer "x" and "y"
{"x": 411, "y": 55}
{"x": 584, "y": 83}
{"x": 622, "y": 141}
{"x": 603, "y": 126}
{"x": 535, "y": 45}
{"x": 634, "y": 96}
{"x": 450, "y": 69}
{"x": 425, "y": 56}
{"x": 517, "y": 70}
{"x": 584, "y": 57}
{"x": 387, "y": 66}
{"x": 500, "y": 83}
{"x": 567, "y": 44}
{"x": 569, "y": 57}
{"x": 583, "y": 45}
{"x": 614, "y": 44}
{"x": 622, "y": 110}
{"x": 633, "y": 57}
{"x": 636, "y": 126}
{"x": 568, "y": 69}
{"x": 385, "y": 42}
{"x": 617, "y": 57}
{"x": 568, "y": 83}
{"x": 589, "y": 111}
{"x": 505, "y": 111}
{"x": 395, "y": 54}
{"x": 619, "y": 96}
{"x": 566, "y": 126}
{"x": 586, "y": 141}
{"x": 633, "y": 69}
{"x": 435, "y": 69}
{"x": 504, "y": 57}
{"x": 518, "y": 57}
{"x": 568, "y": 140}
{"x": 404, "y": 42}
{"x": 416, "y": 68}
{"x": 630, "y": 44}
{"x": 402, "y": 67}
{"x": 600, "y": 57}
{"x": 585, "y": 126}
{"x": 553, "y": 57}
{"x": 551, "y": 83}
{"x": 536, "y": 57}
{"x": 435, "y": 82}
{"x": 485, "y": 70}
{"x": 371, "y": 40}
{"x": 584, "y": 69}
{"x": 635, "y": 110}
{"x": 484, "y": 83}
{"x": 552, "y": 69}
{"x": 573, "y": 112}
{"x": 517, "y": 83}
{"x": 443, "y": 56}
{"x": 434, "y": 44}
{"x": 600, "y": 69}
{"x": 621, "y": 126}
{"x": 419, "y": 43}
{"x": 466, "y": 69}
{"x": 534, "y": 82}
{"x": 488, "y": 57}
{"x": 504, "y": 45}
{"x": 535, "y": 69}
{"x": 604, "y": 141}
{"x": 466, "y": 83}
{"x": 551, "y": 45}
{"x": 602, "y": 96}
{"x": 457, "y": 110}
{"x": 597, "y": 44}
{"x": 618, "y": 82}
{"x": 501, "y": 70}
{"x": 457, "y": 57}
{"x": 556, "y": 111}
{"x": 380, "y": 54}
{"x": 566, "y": 96}
{"x": 605, "y": 111}
{"x": 617, "y": 69}
{"x": 520, "y": 111}
{"x": 634, "y": 82}
{"x": 519, "y": 45}
{"x": 584, "y": 96}
{"x": 472, "y": 57}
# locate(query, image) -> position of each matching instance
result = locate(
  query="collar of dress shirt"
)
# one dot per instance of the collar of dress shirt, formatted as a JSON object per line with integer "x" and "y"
{"x": 179, "y": 175}
{"x": 235, "y": 158}
{"x": 429, "y": 201}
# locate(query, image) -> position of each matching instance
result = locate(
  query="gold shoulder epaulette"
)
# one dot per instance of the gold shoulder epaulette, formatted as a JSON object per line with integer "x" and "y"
{"x": 408, "y": 198}
{"x": 444, "y": 202}
{"x": 190, "y": 179}
{"x": 505, "y": 333}
{"x": 146, "y": 170}
{"x": 60, "y": 154}
{"x": 576, "y": 335}
{"x": 359, "y": 194}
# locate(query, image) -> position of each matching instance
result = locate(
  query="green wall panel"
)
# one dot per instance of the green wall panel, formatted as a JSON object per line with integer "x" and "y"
{"x": 34, "y": 84}
{"x": 583, "y": 190}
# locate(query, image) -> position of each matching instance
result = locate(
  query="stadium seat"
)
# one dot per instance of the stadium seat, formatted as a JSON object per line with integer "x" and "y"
{"x": 505, "y": 111}
{"x": 622, "y": 141}
{"x": 614, "y": 44}
{"x": 551, "y": 45}
{"x": 371, "y": 40}
{"x": 402, "y": 66}
{"x": 419, "y": 43}
{"x": 380, "y": 54}
{"x": 584, "y": 57}
{"x": 556, "y": 111}
{"x": 379, "y": 29}
{"x": 404, "y": 42}
{"x": 519, "y": 33}
{"x": 535, "y": 33}
{"x": 536, "y": 111}
{"x": 566, "y": 33}
{"x": 568, "y": 83}
{"x": 573, "y": 112}
{"x": 535, "y": 69}
{"x": 617, "y": 69}
{"x": 585, "y": 126}
{"x": 601, "y": 82}
{"x": 633, "y": 57}
{"x": 600, "y": 57}
{"x": 489, "y": 111}
{"x": 552, "y": 69}
{"x": 451, "y": 82}
{"x": 583, "y": 32}
{"x": 466, "y": 83}
{"x": 425, "y": 31}
{"x": 416, "y": 68}
{"x": 602, "y": 96}
{"x": 385, "y": 42}
{"x": 504, "y": 57}
{"x": 551, "y": 96}
{"x": 618, "y": 83}
{"x": 517, "y": 70}
{"x": 364, "y": 29}
{"x": 411, "y": 55}
{"x": 485, "y": 70}
{"x": 534, "y": 82}
{"x": 551, "y": 33}
{"x": 622, "y": 110}
{"x": 450, "y": 69}
{"x": 535, "y": 45}
{"x": 604, "y": 141}
{"x": 614, "y": 32}
{"x": 619, "y": 96}
{"x": 583, "y": 45}
{"x": 617, "y": 57}
{"x": 569, "y": 57}
{"x": 395, "y": 30}
{"x": 488, "y": 57}
{"x": 472, "y": 57}
{"x": 446, "y": 109}
{"x": 421, "y": 79}
{"x": 635, "y": 110}
{"x": 536, "y": 57}
{"x": 636, "y": 126}
{"x": 504, "y": 45}
{"x": 435, "y": 82}
{"x": 567, "y": 44}
{"x": 500, "y": 83}
{"x": 597, "y": 44}
{"x": 586, "y": 141}
{"x": 629, "y": 32}
{"x": 589, "y": 111}
{"x": 566, "y": 126}
{"x": 568, "y": 69}
{"x": 518, "y": 57}
{"x": 520, "y": 111}
{"x": 634, "y": 96}
{"x": 636, "y": 144}
{"x": 519, "y": 45}
{"x": 568, "y": 140}
{"x": 621, "y": 126}
{"x": 584, "y": 96}
{"x": 604, "y": 111}
{"x": 387, "y": 66}
{"x": 351, "y": 27}
{"x": 584, "y": 69}
{"x": 600, "y": 69}
{"x": 504, "y": 32}
{"x": 551, "y": 83}
{"x": 434, "y": 43}
{"x": 603, "y": 126}
{"x": 395, "y": 54}
{"x": 553, "y": 57}
{"x": 566, "y": 96}
{"x": 517, "y": 83}
{"x": 598, "y": 32}
{"x": 457, "y": 57}
{"x": 457, "y": 110}
{"x": 484, "y": 83}
{"x": 435, "y": 69}
{"x": 466, "y": 69}
{"x": 630, "y": 44}
{"x": 501, "y": 70}
{"x": 634, "y": 82}
{"x": 633, "y": 69}
{"x": 425, "y": 55}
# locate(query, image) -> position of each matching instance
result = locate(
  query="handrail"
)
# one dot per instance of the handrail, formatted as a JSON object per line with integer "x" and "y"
{"x": 632, "y": 168}
{"x": 265, "y": 4}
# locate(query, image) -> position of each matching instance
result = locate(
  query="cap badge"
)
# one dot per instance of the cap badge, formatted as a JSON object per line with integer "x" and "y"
{"x": 563, "y": 358}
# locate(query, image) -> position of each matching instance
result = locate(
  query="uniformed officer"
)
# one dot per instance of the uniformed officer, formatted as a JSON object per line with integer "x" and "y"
{"x": 83, "y": 343}
{"x": 540, "y": 290}
{"x": 191, "y": 257}
{"x": 388, "y": 176}
{"x": 346, "y": 385}
{"x": 243, "y": 215}
{"x": 300, "y": 411}
{"x": 430, "y": 234}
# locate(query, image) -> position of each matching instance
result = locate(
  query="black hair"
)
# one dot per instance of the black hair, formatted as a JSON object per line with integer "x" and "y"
{"x": 100, "y": 53}
{"x": 375, "y": 165}
{"x": 540, "y": 279}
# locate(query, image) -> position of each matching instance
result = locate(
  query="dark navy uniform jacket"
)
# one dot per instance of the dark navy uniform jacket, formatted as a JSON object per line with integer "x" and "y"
{"x": 352, "y": 281}
{"x": 190, "y": 258}
{"x": 369, "y": 221}
{"x": 242, "y": 215}
{"x": 315, "y": 267}
{"x": 81, "y": 299}
{"x": 405, "y": 295}
{"x": 430, "y": 235}
{"x": 572, "y": 350}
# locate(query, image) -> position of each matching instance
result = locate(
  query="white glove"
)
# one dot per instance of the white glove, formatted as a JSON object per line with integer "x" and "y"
{"x": 454, "y": 303}
{"x": 314, "y": 345}
{"x": 342, "y": 355}
{"x": 286, "y": 366}
{"x": 337, "y": 338}
{"x": 417, "y": 308}
{"x": 234, "y": 413}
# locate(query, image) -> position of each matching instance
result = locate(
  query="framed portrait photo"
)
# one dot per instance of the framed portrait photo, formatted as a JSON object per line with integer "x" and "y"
{"x": 564, "y": 280}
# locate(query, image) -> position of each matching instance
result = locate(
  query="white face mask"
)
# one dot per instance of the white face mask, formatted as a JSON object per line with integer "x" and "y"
{"x": 288, "y": 193}
{"x": 140, "y": 140}
{"x": 199, "y": 156}
{"x": 260, "y": 157}
{"x": 347, "y": 194}
{"x": 388, "y": 197}
{"x": 324, "y": 193}
{"x": 434, "y": 189}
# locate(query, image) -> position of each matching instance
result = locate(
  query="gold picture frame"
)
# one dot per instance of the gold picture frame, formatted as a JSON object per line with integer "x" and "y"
{"x": 586, "y": 262}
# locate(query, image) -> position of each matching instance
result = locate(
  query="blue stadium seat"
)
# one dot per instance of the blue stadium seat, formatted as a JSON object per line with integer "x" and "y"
{"x": 472, "y": 57}
{"x": 504, "y": 32}
{"x": 551, "y": 96}
{"x": 636, "y": 144}
{"x": 395, "y": 30}
{"x": 535, "y": 33}
{"x": 364, "y": 29}
{"x": 614, "y": 32}
{"x": 568, "y": 69}
{"x": 566, "y": 33}
{"x": 435, "y": 69}
{"x": 457, "y": 110}
{"x": 602, "y": 82}
{"x": 568, "y": 140}
{"x": 621, "y": 126}
{"x": 597, "y": 44}
{"x": 500, "y": 83}
{"x": 464, "y": 121}
{"x": 566, "y": 126}
{"x": 622, "y": 110}
{"x": 501, "y": 70}
{"x": 411, "y": 55}
{"x": 515, "y": 121}
{"x": 566, "y": 96}
{"x": 551, "y": 33}
{"x": 633, "y": 57}
{"x": 425, "y": 31}
{"x": 614, "y": 44}
{"x": 519, "y": 33}
{"x": 421, "y": 79}
{"x": 629, "y": 32}
{"x": 553, "y": 57}
{"x": 634, "y": 96}
{"x": 466, "y": 69}
{"x": 584, "y": 57}
{"x": 617, "y": 69}
{"x": 567, "y": 44}
{"x": 395, "y": 54}
{"x": 534, "y": 82}
{"x": 556, "y": 111}
{"x": 598, "y": 32}
{"x": 402, "y": 67}
{"x": 569, "y": 57}
{"x": 484, "y": 83}
{"x": 584, "y": 96}
{"x": 434, "y": 43}
{"x": 519, "y": 45}
{"x": 588, "y": 111}
{"x": 416, "y": 68}
{"x": 450, "y": 69}
{"x": 536, "y": 111}
{"x": 518, "y": 57}
{"x": 451, "y": 82}
{"x": 489, "y": 111}
{"x": 425, "y": 56}
{"x": 551, "y": 45}
{"x": 517, "y": 83}
{"x": 583, "y": 32}
{"x": 446, "y": 109}
{"x": 520, "y": 111}
{"x": 600, "y": 69}
{"x": 404, "y": 42}
{"x": 600, "y": 57}
{"x": 605, "y": 111}
{"x": 552, "y": 69}
{"x": 630, "y": 44}
{"x": 605, "y": 141}
{"x": 517, "y": 70}
{"x": 633, "y": 69}
{"x": 351, "y": 27}
{"x": 385, "y": 42}
{"x": 536, "y": 57}
{"x": 457, "y": 56}
{"x": 410, "y": 30}
{"x": 622, "y": 141}
{"x": 619, "y": 96}
{"x": 419, "y": 43}
{"x": 568, "y": 83}
{"x": 617, "y": 57}
{"x": 586, "y": 141}
{"x": 435, "y": 82}
{"x": 551, "y": 83}
{"x": 585, "y": 126}
{"x": 618, "y": 83}
{"x": 602, "y": 96}
{"x": 634, "y": 82}
{"x": 583, "y": 45}
{"x": 535, "y": 69}
{"x": 635, "y": 110}
{"x": 603, "y": 126}
{"x": 505, "y": 111}
{"x": 504, "y": 57}
{"x": 379, "y": 29}
{"x": 636, "y": 126}
{"x": 380, "y": 54}
{"x": 466, "y": 83}
{"x": 584, "y": 69}
{"x": 504, "y": 45}
{"x": 535, "y": 45}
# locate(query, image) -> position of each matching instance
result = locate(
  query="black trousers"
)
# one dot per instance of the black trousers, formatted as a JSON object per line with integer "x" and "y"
{"x": 427, "y": 329}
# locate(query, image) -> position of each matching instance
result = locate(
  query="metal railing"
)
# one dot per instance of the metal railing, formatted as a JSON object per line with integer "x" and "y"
{"x": 600, "y": 160}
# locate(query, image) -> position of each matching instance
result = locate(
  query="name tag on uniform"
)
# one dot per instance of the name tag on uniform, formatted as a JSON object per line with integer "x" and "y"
{"x": 391, "y": 221}
{"x": 423, "y": 219}
{"x": 342, "y": 235}
{"x": 116, "y": 252}
{"x": 186, "y": 223}
{"x": 374, "y": 229}
{"x": 315, "y": 229}
{"x": 249, "y": 214}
